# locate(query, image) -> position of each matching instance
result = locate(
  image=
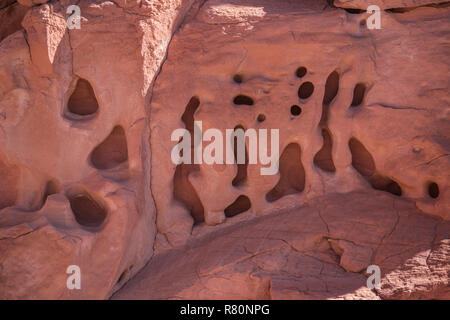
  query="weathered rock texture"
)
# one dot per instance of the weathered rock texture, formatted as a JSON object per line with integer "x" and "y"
{"x": 74, "y": 158}
{"x": 86, "y": 118}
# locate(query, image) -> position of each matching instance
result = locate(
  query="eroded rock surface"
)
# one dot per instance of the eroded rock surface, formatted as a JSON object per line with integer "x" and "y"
{"x": 319, "y": 251}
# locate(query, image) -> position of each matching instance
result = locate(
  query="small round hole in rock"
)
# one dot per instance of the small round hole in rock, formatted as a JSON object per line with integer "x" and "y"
{"x": 261, "y": 117}
{"x": 354, "y": 11}
{"x": 433, "y": 190}
{"x": 305, "y": 90}
{"x": 300, "y": 72}
{"x": 243, "y": 100}
{"x": 296, "y": 110}
{"x": 238, "y": 78}
{"x": 122, "y": 276}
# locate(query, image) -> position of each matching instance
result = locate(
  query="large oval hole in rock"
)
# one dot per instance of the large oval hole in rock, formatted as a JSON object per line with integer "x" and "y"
{"x": 305, "y": 90}
{"x": 383, "y": 183}
{"x": 82, "y": 101}
{"x": 362, "y": 160}
{"x": 87, "y": 211}
{"x": 243, "y": 100}
{"x": 112, "y": 151}
{"x": 292, "y": 174}
{"x": 240, "y": 205}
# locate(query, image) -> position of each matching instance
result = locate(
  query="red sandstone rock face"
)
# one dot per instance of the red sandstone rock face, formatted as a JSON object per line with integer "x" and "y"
{"x": 86, "y": 118}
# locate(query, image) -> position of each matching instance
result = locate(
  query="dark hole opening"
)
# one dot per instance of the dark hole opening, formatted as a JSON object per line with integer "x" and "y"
{"x": 82, "y": 101}
{"x": 87, "y": 211}
{"x": 292, "y": 174}
{"x": 112, "y": 151}
{"x": 261, "y": 117}
{"x": 305, "y": 90}
{"x": 122, "y": 276}
{"x": 183, "y": 190}
{"x": 331, "y": 87}
{"x": 300, "y": 72}
{"x": 433, "y": 190}
{"x": 358, "y": 94}
{"x": 240, "y": 205}
{"x": 394, "y": 188}
{"x": 296, "y": 110}
{"x": 238, "y": 78}
{"x": 241, "y": 175}
{"x": 243, "y": 100}
{"x": 354, "y": 11}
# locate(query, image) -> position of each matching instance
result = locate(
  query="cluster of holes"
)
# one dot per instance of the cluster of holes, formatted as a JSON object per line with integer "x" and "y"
{"x": 323, "y": 158}
{"x": 51, "y": 187}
